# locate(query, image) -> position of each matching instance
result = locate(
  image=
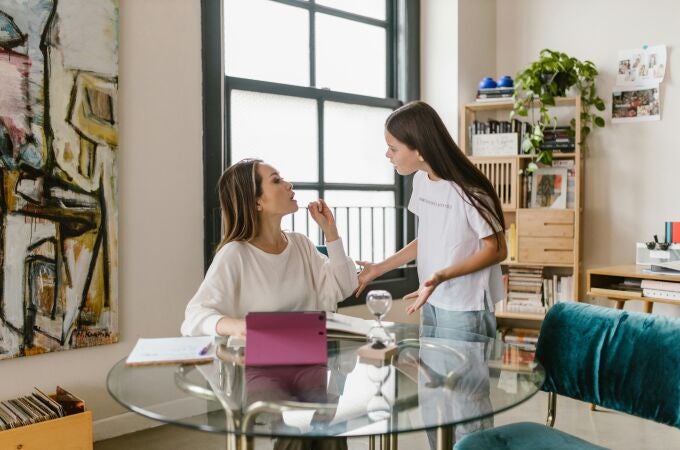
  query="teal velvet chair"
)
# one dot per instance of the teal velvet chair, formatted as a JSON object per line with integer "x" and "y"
{"x": 625, "y": 361}
{"x": 322, "y": 249}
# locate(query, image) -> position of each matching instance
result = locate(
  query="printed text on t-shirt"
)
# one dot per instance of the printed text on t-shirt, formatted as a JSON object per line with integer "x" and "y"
{"x": 437, "y": 204}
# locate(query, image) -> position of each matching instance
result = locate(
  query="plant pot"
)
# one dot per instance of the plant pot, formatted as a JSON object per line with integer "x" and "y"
{"x": 561, "y": 80}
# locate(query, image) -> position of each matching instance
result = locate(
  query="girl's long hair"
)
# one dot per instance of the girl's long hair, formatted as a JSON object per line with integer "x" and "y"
{"x": 418, "y": 125}
{"x": 239, "y": 187}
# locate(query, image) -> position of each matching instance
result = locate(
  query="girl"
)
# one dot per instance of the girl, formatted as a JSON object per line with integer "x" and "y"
{"x": 257, "y": 266}
{"x": 460, "y": 240}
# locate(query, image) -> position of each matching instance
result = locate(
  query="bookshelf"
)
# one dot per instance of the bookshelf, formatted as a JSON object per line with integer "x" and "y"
{"x": 542, "y": 237}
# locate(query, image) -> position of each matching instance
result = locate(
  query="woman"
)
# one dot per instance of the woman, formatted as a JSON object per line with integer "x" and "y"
{"x": 259, "y": 267}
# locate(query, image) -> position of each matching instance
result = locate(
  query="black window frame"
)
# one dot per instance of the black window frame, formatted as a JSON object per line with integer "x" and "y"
{"x": 403, "y": 85}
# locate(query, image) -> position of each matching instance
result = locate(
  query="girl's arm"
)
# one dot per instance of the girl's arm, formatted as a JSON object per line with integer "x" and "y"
{"x": 493, "y": 251}
{"x": 371, "y": 271}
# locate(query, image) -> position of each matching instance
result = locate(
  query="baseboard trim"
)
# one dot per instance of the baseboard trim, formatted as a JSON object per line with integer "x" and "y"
{"x": 130, "y": 422}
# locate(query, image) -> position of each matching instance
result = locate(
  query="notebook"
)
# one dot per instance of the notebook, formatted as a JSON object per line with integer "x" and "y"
{"x": 286, "y": 338}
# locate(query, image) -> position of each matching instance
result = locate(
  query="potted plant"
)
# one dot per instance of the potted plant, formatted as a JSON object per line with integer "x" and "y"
{"x": 552, "y": 75}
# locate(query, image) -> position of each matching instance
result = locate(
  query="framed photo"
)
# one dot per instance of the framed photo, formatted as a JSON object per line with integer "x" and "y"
{"x": 549, "y": 188}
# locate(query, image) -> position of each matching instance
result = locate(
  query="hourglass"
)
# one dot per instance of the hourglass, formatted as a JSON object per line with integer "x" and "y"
{"x": 379, "y": 303}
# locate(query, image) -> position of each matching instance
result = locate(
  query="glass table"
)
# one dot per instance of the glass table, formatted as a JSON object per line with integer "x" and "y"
{"x": 435, "y": 380}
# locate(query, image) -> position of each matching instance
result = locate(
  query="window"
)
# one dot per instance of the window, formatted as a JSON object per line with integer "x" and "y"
{"x": 307, "y": 86}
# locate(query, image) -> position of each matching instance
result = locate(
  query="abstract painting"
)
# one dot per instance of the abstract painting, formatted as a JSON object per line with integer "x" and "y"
{"x": 58, "y": 175}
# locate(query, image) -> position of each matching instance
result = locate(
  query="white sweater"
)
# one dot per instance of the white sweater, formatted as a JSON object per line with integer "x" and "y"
{"x": 243, "y": 278}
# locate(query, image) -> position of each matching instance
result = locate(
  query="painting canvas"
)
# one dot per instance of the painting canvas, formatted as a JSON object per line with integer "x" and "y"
{"x": 549, "y": 188}
{"x": 58, "y": 175}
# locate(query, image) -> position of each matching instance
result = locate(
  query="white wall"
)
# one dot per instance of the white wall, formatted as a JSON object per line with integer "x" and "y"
{"x": 632, "y": 169}
{"x": 161, "y": 211}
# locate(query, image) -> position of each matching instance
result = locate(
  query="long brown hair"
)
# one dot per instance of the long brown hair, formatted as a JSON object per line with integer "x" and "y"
{"x": 418, "y": 125}
{"x": 239, "y": 187}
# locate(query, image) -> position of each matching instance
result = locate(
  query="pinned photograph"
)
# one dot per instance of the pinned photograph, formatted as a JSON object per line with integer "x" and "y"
{"x": 549, "y": 188}
{"x": 636, "y": 104}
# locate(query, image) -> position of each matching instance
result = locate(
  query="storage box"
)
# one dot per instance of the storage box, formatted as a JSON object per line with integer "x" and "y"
{"x": 72, "y": 432}
{"x": 646, "y": 257}
{"x": 495, "y": 144}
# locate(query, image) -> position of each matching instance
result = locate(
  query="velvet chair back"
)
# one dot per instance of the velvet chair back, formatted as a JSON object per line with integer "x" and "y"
{"x": 617, "y": 359}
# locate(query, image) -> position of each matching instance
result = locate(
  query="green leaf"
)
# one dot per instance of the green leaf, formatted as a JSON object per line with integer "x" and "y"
{"x": 599, "y": 121}
{"x": 599, "y": 104}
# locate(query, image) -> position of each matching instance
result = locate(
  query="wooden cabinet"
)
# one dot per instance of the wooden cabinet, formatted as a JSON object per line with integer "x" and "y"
{"x": 550, "y": 238}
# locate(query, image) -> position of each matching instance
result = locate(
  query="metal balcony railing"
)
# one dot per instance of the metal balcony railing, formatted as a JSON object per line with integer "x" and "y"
{"x": 369, "y": 233}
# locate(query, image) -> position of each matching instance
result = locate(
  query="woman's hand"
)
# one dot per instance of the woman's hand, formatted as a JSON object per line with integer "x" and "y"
{"x": 323, "y": 216}
{"x": 228, "y": 326}
{"x": 369, "y": 272}
{"x": 423, "y": 293}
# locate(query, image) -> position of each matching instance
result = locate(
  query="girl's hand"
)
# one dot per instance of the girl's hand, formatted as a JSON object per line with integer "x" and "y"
{"x": 423, "y": 293}
{"x": 368, "y": 273}
{"x": 228, "y": 326}
{"x": 323, "y": 216}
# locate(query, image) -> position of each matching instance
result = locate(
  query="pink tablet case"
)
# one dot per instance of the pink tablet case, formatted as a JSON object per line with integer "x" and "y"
{"x": 286, "y": 338}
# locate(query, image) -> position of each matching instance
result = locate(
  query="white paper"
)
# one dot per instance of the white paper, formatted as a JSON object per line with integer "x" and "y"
{"x": 636, "y": 104}
{"x": 507, "y": 381}
{"x": 641, "y": 66}
{"x": 168, "y": 350}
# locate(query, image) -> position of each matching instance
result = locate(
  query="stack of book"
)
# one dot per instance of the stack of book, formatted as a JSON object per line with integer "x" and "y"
{"x": 667, "y": 290}
{"x": 38, "y": 407}
{"x": 558, "y": 138}
{"x": 494, "y": 94}
{"x": 557, "y": 289}
{"x": 525, "y": 285}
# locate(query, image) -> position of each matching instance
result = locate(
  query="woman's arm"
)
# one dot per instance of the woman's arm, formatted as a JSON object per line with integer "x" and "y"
{"x": 371, "y": 271}
{"x": 207, "y": 313}
{"x": 493, "y": 251}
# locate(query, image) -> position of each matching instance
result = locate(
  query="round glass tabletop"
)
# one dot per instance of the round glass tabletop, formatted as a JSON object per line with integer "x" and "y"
{"x": 436, "y": 377}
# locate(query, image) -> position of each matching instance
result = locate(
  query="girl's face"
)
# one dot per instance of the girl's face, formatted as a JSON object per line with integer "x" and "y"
{"x": 277, "y": 194}
{"x": 404, "y": 160}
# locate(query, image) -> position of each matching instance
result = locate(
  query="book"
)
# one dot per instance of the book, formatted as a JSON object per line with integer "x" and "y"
{"x": 173, "y": 350}
{"x": 662, "y": 285}
{"x": 671, "y": 268}
{"x": 351, "y": 325}
{"x": 659, "y": 293}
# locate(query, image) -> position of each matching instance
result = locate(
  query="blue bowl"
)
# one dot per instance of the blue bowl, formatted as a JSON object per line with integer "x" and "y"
{"x": 487, "y": 83}
{"x": 505, "y": 81}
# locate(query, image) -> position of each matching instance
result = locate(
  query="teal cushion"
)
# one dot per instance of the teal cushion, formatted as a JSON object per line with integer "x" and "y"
{"x": 524, "y": 436}
{"x": 621, "y": 360}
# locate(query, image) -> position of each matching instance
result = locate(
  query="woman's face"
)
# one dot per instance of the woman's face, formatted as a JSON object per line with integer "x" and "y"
{"x": 277, "y": 194}
{"x": 404, "y": 160}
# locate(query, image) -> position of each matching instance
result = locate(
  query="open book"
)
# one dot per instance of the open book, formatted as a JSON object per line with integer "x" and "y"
{"x": 349, "y": 324}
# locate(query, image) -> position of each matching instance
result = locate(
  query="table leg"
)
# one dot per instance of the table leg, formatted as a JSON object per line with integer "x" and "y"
{"x": 648, "y": 307}
{"x": 384, "y": 442}
{"x": 371, "y": 442}
{"x": 394, "y": 441}
{"x": 445, "y": 438}
{"x": 619, "y": 304}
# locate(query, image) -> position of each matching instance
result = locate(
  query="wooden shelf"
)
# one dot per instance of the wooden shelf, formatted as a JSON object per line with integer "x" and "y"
{"x": 556, "y": 155}
{"x": 507, "y": 104}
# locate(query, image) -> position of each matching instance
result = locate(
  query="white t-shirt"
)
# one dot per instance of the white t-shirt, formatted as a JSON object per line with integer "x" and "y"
{"x": 450, "y": 230}
{"x": 242, "y": 278}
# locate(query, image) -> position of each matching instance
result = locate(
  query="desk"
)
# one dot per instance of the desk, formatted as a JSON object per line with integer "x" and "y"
{"x": 440, "y": 379}
{"x": 600, "y": 280}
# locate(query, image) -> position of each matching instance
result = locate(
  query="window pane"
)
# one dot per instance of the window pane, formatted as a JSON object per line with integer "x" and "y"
{"x": 301, "y": 222}
{"x": 278, "y": 129}
{"x": 266, "y": 40}
{"x": 370, "y": 8}
{"x": 366, "y": 222}
{"x": 354, "y": 144}
{"x": 350, "y": 56}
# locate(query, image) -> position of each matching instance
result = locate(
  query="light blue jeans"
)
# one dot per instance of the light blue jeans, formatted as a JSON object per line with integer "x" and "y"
{"x": 478, "y": 322}
{"x": 433, "y": 319}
